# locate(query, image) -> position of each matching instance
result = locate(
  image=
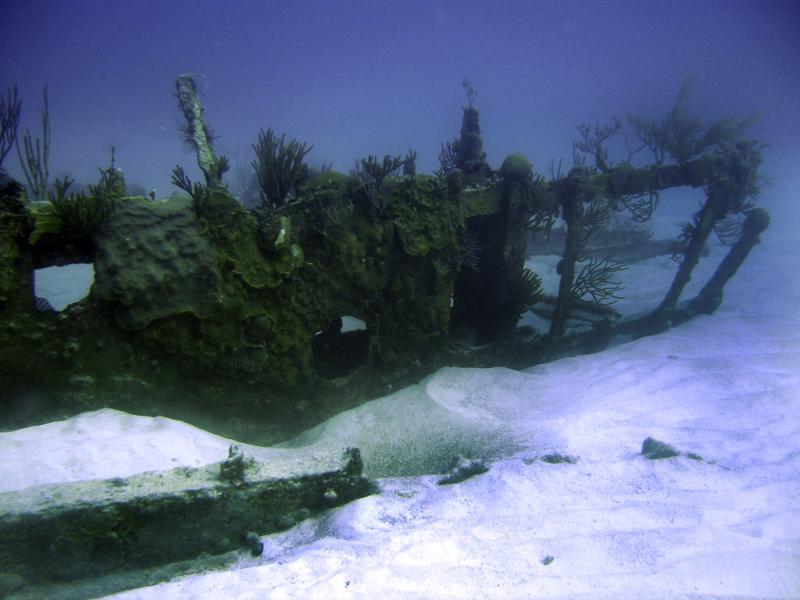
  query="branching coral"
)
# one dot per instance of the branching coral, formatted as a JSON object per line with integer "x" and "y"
{"x": 278, "y": 166}
{"x": 468, "y": 252}
{"x": 35, "y": 157}
{"x": 330, "y": 206}
{"x": 112, "y": 183}
{"x": 592, "y": 141}
{"x": 410, "y": 163}
{"x": 596, "y": 280}
{"x": 523, "y": 292}
{"x": 447, "y": 159}
{"x": 71, "y": 216}
{"x": 640, "y": 206}
{"x": 372, "y": 174}
{"x": 10, "y": 107}
{"x": 683, "y": 137}
{"x": 197, "y": 191}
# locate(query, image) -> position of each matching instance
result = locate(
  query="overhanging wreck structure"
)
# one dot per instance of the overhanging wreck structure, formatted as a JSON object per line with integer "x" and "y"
{"x": 201, "y": 306}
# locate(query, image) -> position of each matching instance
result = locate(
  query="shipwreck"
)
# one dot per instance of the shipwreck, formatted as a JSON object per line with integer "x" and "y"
{"x": 232, "y": 317}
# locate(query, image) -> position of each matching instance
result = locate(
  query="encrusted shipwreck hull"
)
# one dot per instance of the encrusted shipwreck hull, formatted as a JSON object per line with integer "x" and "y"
{"x": 201, "y": 306}
{"x": 216, "y": 300}
{"x": 216, "y": 308}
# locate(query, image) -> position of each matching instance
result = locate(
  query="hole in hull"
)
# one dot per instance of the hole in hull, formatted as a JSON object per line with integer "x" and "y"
{"x": 56, "y": 288}
{"x": 341, "y": 347}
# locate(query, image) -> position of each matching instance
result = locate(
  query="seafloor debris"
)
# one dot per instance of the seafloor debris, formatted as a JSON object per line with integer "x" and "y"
{"x": 63, "y": 532}
{"x": 463, "y": 468}
{"x": 655, "y": 450}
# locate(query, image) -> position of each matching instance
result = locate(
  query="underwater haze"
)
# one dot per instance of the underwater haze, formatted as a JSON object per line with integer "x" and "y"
{"x": 665, "y": 466}
{"x": 354, "y": 78}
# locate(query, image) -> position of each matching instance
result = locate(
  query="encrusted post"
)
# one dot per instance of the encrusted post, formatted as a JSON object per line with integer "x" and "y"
{"x": 731, "y": 183}
{"x": 702, "y": 229}
{"x": 197, "y": 131}
{"x": 570, "y": 198}
{"x": 566, "y": 271}
{"x": 710, "y": 297}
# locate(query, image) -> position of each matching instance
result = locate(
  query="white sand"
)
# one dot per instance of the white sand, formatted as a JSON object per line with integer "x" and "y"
{"x": 726, "y": 387}
{"x": 62, "y": 286}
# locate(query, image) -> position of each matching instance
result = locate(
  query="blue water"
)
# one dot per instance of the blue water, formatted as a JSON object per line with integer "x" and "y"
{"x": 355, "y": 78}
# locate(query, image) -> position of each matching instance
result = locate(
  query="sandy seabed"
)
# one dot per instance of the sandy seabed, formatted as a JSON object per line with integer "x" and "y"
{"x": 725, "y": 387}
